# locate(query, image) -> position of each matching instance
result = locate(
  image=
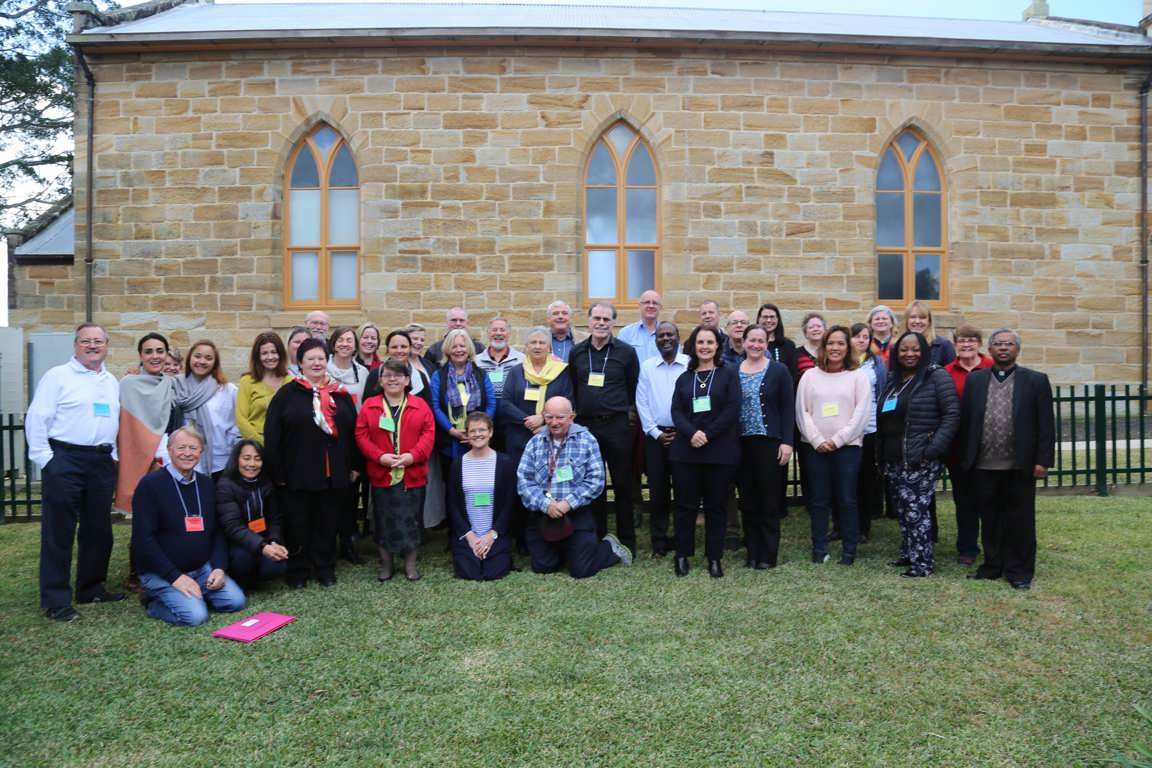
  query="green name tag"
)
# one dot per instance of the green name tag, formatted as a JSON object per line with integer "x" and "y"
{"x": 701, "y": 404}
{"x": 496, "y": 376}
{"x": 482, "y": 499}
{"x": 387, "y": 423}
{"x": 563, "y": 474}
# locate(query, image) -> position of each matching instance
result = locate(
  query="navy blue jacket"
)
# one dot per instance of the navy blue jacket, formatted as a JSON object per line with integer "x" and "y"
{"x": 721, "y": 424}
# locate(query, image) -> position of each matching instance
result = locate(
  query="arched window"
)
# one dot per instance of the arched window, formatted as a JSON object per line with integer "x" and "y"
{"x": 322, "y": 223}
{"x": 621, "y": 218}
{"x": 911, "y": 250}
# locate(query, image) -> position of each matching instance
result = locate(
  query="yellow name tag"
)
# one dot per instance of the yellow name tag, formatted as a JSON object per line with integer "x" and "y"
{"x": 829, "y": 409}
{"x": 595, "y": 379}
{"x": 532, "y": 393}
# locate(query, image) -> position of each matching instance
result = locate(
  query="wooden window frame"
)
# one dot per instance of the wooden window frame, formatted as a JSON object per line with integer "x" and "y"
{"x": 908, "y": 251}
{"x": 323, "y": 249}
{"x": 621, "y": 246}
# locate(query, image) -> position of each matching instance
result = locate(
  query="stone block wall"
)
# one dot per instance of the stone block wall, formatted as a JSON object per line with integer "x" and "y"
{"x": 471, "y": 165}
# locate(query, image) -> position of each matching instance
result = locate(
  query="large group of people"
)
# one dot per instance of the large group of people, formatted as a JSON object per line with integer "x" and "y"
{"x": 337, "y": 434}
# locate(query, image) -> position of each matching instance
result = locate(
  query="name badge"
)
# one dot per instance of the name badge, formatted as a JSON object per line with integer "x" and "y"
{"x": 563, "y": 474}
{"x": 496, "y": 376}
{"x": 829, "y": 409}
{"x": 481, "y": 499}
{"x": 702, "y": 404}
{"x": 193, "y": 524}
{"x": 595, "y": 379}
{"x": 889, "y": 405}
{"x": 259, "y": 525}
{"x": 387, "y": 423}
{"x": 532, "y": 393}
{"x": 102, "y": 410}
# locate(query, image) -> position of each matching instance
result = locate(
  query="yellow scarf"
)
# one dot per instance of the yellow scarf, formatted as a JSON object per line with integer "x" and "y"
{"x": 552, "y": 369}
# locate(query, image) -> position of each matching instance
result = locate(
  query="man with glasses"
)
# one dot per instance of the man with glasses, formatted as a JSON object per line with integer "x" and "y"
{"x": 317, "y": 322}
{"x": 457, "y": 317}
{"x": 642, "y": 333}
{"x": 604, "y": 373}
{"x": 71, "y": 428}
{"x": 560, "y": 475}
{"x": 968, "y": 359}
{"x": 733, "y": 350}
{"x": 1007, "y": 441}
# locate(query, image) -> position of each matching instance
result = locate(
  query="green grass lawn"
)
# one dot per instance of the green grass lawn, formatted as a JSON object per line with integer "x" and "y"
{"x": 807, "y": 665}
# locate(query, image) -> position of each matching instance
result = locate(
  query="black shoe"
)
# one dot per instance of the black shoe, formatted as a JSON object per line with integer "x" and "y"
{"x": 659, "y": 552}
{"x": 413, "y": 575}
{"x": 901, "y": 563}
{"x": 764, "y": 565}
{"x": 982, "y": 577}
{"x": 847, "y": 559}
{"x": 681, "y": 566}
{"x": 104, "y": 597}
{"x": 63, "y": 614}
{"x": 749, "y": 562}
{"x": 327, "y": 581}
{"x": 820, "y": 559}
{"x": 297, "y": 583}
{"x": 913, "y": 575}
{"x": 714, "y": 569}
{"x": 1022, "y": 586}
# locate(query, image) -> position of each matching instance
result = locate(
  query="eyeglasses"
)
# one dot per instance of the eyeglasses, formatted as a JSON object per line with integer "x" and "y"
{"x": 97, "y": 343}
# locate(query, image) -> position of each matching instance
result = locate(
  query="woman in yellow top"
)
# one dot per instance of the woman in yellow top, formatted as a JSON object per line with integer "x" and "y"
{"x": 267, "y": 371}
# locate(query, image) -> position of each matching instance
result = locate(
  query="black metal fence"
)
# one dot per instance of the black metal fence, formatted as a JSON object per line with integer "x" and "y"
{"x": 1102, "y": 441}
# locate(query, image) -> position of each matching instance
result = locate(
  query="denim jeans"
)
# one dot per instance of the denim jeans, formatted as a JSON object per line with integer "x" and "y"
{"x": 171, "y": 605}
{"x": 832, "y": 479}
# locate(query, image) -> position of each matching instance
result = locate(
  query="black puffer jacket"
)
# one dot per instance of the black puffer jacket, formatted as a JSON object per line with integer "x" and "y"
{"x": 933, "y": 415}
{"x": 236, "y": 502}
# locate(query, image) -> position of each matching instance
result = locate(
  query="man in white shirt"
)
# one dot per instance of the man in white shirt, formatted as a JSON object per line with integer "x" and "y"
{"x": 71, "y": 428}
{"x": 642, "y": 333}
{"x": 498, "y": 357}
{"x": 654, "y": 407}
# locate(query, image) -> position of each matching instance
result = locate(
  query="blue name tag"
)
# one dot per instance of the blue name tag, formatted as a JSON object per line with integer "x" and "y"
{"x": 101, "y": 410}
{"x": 888, "y": 405}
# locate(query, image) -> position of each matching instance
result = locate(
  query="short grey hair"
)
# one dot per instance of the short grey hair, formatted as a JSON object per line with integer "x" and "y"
{"x": 191, "y": 431}
{"x": 886, "y": 310}
{"x": 557, "y": 304}
{"x": 535, "y": 330}
{"x": 1015, "y": 336}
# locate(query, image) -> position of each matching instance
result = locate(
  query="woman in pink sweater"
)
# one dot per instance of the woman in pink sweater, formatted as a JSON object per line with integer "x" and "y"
{"x": 832, "y": 406}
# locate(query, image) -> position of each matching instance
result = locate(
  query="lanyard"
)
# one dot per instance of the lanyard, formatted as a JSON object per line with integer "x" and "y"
{"x": 396, "y": 415}
{"x": 553, "y": 457}
{"x": 179, "y": 495}
{"x": 259, "y": 497}
{"x": 607, "y": 354}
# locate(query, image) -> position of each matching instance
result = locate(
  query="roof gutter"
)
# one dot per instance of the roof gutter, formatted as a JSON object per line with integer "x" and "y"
{"x": 1144, "y": 88}
{"x": 89, "y": 185}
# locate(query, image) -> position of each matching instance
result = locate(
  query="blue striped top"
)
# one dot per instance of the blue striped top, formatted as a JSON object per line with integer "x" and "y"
{"x": 479, "y": 476}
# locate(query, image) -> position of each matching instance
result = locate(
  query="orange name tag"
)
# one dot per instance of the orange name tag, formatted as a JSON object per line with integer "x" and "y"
{"x": 258, "y": 525}
{"x": 193, "y": 524}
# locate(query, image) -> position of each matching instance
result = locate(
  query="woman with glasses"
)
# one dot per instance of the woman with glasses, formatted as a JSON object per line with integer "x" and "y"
{"x": 481, "y": 498}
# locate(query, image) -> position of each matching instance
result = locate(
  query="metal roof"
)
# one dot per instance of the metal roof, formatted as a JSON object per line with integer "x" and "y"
{"x": 57, "y": 238}
{"x": 220, "y": 22}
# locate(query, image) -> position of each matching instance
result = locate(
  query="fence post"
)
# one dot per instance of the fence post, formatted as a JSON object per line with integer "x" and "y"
{"x": 1101, "y": 441}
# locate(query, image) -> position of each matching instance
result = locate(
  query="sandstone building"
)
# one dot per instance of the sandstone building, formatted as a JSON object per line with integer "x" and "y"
{"x": 390, "y": 161}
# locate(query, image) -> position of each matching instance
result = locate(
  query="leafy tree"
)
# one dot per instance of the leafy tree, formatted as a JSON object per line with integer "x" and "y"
{"x": 35, "y": 107}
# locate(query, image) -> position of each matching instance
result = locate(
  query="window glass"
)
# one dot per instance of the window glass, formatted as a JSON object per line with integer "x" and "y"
{"x": 343, "y": 216}
{"x": 641, "y": 172}
{"x": 304, "y": 210}
{"x": 926, "y": 219}
{"x": 890, "y": 175}
{"x": 908, "y": 142}
{"x": 344, "y": 275}
{"x": 928, "y": 276}
{"x": 621, "y": 136}
{"x": 641, "y": 272}
{"x": 927, "y": 177}
{"x": 641, "y": 216}
{"x": 343, "y": 172}
{"x": 325, "y": 139}
{"x": 601, "y": 169}
{"x": 305, "y": 277}
{"x": 890, "y": 276}
{"x": 601, "y": 213}
{"x": 304, "y": 173}
{"x": 602, "y": 274}
{"x": 889, "y": 219}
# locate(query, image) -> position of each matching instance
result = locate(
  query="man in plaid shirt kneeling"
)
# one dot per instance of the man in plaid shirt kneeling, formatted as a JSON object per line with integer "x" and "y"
{"x": 560, "y": 474}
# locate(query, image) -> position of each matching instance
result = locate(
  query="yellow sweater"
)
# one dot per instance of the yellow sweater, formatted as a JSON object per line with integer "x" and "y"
{"x": 251, "y": 406}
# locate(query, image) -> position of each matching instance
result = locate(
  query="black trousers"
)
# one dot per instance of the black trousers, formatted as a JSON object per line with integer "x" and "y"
{"x": 759, "y": 481}
{"x": 311, "y": 520}
{"x": 77, "y": 486}
{"x": 869, "y": 487}
{"x": 495, "y": 566}
{"x": 585, "y": 553}
{"x": 695, "y": 483}
{"x": 659, "y": 491}
{"x": 967, "y": 511}
{"x": 1007, "y": 503}
{"x": 247, "y": 567}
{"x": 615, "y": 439}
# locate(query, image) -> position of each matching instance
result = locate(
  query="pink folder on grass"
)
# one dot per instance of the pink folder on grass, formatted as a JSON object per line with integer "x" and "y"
{"x": 254, "y": 627}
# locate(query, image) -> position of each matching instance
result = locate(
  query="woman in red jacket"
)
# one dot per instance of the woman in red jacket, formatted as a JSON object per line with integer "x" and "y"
{"x": 396, "y": 433}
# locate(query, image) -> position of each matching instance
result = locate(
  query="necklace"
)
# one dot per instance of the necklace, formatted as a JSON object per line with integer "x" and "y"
{"x": 703, "y": 383}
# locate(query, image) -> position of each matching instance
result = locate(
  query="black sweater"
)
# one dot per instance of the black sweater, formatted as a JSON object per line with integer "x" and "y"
{"x": 160, "y": 543}
{"x": 299, "y": 454}
{"x": 721, "y": 424}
